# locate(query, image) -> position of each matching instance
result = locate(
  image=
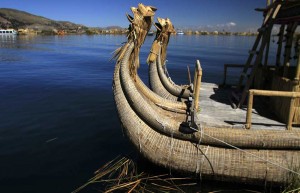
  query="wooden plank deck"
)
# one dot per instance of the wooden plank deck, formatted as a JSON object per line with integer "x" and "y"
{"x": 215, "y": 110}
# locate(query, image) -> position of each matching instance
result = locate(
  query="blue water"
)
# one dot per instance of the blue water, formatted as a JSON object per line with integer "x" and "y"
{"x": 58, "y": 122}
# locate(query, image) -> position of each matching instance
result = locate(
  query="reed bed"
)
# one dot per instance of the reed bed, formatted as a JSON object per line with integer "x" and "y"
{"x": 293, "y": 182}
{"x": 122, "y": 175}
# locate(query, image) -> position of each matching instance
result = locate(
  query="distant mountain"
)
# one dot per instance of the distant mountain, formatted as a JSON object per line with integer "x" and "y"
{"x": 12, "y": 18}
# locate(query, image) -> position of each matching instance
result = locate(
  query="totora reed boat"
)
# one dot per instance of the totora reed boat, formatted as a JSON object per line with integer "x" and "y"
{"x": 160, "y": 83}
{"x": 172, "y": 133}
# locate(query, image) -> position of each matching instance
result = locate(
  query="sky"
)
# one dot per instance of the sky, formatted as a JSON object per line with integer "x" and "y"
{"x": 228, "y": 15}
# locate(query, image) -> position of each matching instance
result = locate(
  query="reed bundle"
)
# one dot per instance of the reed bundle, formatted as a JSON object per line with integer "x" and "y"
{"x": 122, "y": 175}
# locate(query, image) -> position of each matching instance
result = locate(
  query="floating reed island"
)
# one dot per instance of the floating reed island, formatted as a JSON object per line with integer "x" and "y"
{"x": 193, "y": 128}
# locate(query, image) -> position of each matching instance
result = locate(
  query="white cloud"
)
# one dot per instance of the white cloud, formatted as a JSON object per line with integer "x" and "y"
{"x": 231, "y": 24}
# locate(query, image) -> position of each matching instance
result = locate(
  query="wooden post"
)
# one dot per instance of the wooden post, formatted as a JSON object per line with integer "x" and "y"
{"x": 198, "y": 73}
{"x": 291, "y": 114}
{"x": 195, "y": 78}
{"x": 272, "y": 93}
{"x": 268, "y": 37}
{"x": 249, "y": 110}
{"x": 189, "y": 74}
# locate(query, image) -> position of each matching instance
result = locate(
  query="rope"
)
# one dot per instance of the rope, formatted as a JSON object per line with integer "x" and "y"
{"x": 198, "y": 170}
{"x": 246, "y": 152}
{"x": 170, "y": 153}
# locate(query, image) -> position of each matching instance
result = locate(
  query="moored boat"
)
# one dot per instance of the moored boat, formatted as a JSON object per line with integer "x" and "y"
{"x": 8, "y": 32}
{"x": 181, "y": 142}
{"x": 180, "y": 32}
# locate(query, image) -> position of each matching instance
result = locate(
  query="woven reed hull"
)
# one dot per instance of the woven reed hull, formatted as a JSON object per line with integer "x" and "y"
{"x": 177, "y": 106}
{"x": 169, "y": 124}
{"x": 281, "y": 105}
{"x": 157, "y": 86}
{"x": 163, "y": 86}
{"x": 183, "y": 155}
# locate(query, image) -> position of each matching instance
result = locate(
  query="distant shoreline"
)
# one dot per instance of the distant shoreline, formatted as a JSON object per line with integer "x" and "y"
{"x": 96, "y": 31}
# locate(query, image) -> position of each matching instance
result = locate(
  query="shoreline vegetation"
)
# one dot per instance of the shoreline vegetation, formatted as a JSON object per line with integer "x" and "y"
{"x": 29, "y": 24}
{"x": 118, "y": 31}
{"x": 124, "y": 31}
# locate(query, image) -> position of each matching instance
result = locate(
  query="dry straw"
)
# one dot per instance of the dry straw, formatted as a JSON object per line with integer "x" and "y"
{"x": 121, "y": 174}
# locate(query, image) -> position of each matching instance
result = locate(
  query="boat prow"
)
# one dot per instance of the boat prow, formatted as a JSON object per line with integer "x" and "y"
{"x": 169, "y": 133}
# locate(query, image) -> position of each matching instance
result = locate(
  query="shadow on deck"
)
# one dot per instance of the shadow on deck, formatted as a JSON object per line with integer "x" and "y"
{"x": 216, "y": 110}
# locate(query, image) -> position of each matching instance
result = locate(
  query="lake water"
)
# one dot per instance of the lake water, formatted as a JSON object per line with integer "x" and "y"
{"x": 58, "y": 121}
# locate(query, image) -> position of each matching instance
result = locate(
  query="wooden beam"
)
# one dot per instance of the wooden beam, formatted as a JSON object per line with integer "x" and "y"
{"x": 249, "y": 111}
{"x": 275, "y": 93}
{"x": 198, "y": 73}
{"x": 272, "y": 93}
{"x": 291, "y": 114}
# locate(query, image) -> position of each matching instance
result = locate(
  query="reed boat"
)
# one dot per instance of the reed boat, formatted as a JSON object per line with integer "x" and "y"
{"x": 159, "y": 80}
{"x": 172, "y": 133}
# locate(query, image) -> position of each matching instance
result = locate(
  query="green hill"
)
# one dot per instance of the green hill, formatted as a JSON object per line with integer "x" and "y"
{"x": 12, "y": 18}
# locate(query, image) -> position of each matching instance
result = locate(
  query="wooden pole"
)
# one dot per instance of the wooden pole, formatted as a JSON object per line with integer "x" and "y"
{"x": 195, "y": 77}
{"x": 249, "y": 110}
{"x": 292, "y": 95}
{"x": 267, "y": 49}
{"x": 198, "y": 72}
{"x": 273, "y": 93}
{"x": 189, "y": 74}
{"x": 291, "y": 114}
